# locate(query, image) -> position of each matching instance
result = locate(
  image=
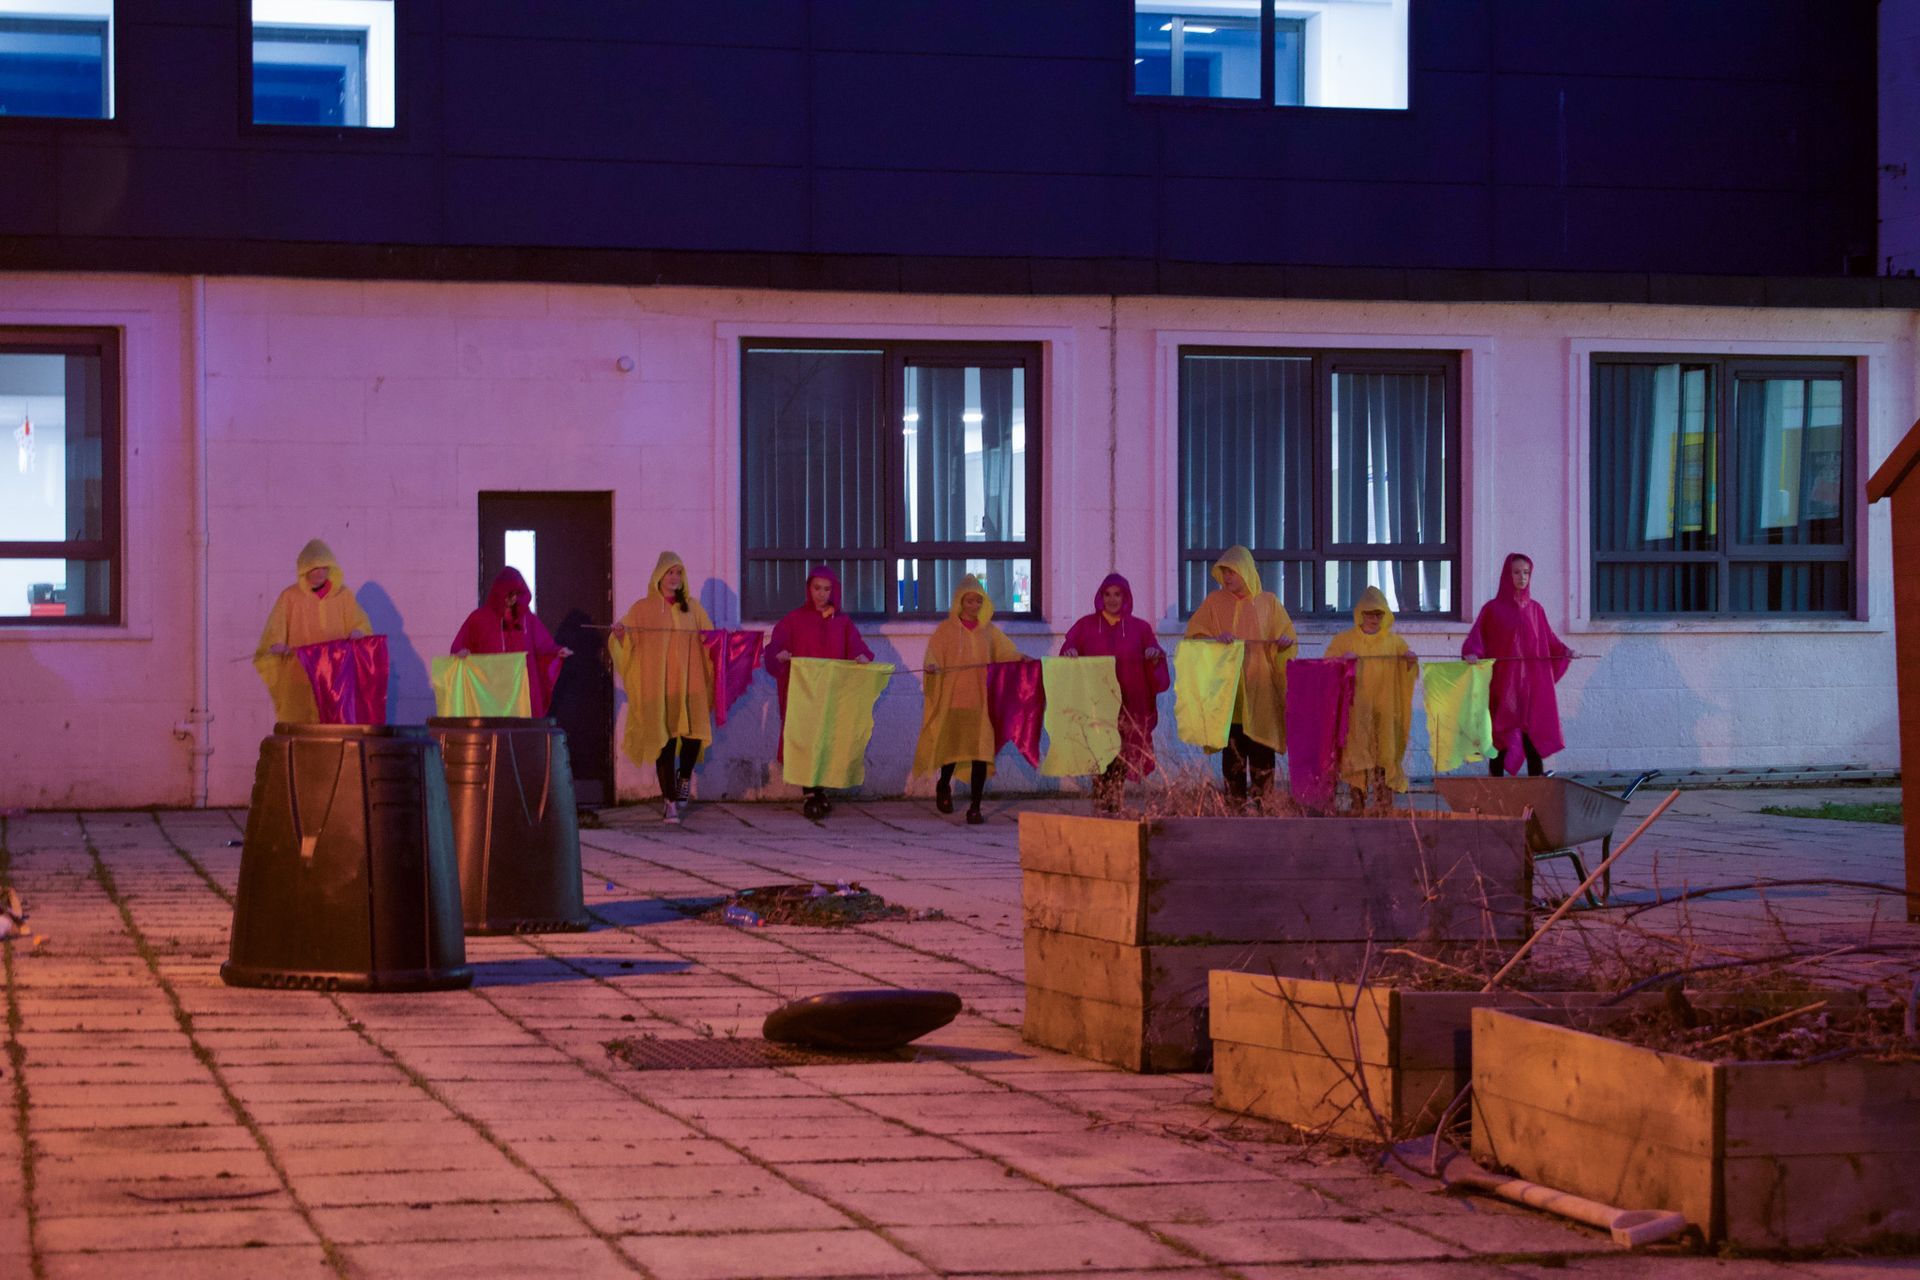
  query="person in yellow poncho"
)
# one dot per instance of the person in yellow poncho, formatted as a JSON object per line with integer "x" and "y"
{"x": 955, "y": 726}
{"x": 664, "y": 667}
{"x": 316, "y": 608}
{"x": 1239, "y": 610}
{"x": 1373, "y": 760}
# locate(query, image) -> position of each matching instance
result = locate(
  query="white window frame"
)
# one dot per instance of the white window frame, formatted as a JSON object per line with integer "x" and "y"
{"x": 69, "y": 10}
{"x": 372, "y": 19}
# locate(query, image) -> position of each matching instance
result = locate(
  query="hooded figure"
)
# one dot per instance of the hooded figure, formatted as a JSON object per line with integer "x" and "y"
{"x": 658, "y": 654}
{"x": 1526, "y": 713}
{"x": 955, "y": 726}
{"x": 1138, "y": 662}
{"x": 505, "y": 623}
{"x": 1382, "y": 714}
{"x": 1260, "y": 707}
{"x": 317, "y": 607}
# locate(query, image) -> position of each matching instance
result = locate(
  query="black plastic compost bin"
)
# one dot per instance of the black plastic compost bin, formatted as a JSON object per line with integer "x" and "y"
{"x": 347, "y": 875}
{"x": 510, "y": 790}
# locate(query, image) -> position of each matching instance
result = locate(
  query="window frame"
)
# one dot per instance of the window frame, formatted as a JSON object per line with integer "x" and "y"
{"x": 109, "y": 73}
{"x": 362, "y": 135}
{"x": 896, "y": 355}
{"x": 1725, "y": 373}
{"x": 1327, "y": 362}
{"x": 106, "y": 345}
{"x": 1270, "y": 25}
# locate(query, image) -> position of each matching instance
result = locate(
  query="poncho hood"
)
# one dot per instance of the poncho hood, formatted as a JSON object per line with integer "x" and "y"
{"x": 1509, "y": 594}
{"x": 1240, "y": 560}
{"x": 826, "y": 574}
{"x": 1374, "y": 598}
{"x": 317, "y": 554}
{"x": 667, "y": 560}
{"x": 509, "y": 582}
{"x": 971, "y": 583}
{"x": 1126, "y": 595}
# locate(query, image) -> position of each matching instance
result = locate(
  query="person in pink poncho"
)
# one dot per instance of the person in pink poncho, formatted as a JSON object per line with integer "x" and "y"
{"x": 1528, "y": 661}
{"x": 817, "y": 629}
{"x": 505, "y": 623}
{"x": 1112, "y": 631}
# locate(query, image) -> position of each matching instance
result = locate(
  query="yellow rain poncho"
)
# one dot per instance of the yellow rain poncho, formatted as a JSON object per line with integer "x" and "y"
{"x": 664, "y": 668}
{"x": 1382, "y": 714}
{"x": 302, "y": 616}
{"x": 955, "y": 726}
{"x": 1260, "y": 705}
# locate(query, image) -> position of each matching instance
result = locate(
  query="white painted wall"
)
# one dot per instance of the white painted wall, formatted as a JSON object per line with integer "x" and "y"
{"x": 371, "y": 415}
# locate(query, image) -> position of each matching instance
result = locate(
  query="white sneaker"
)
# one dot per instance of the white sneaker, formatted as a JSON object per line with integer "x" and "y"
{"x": 672, "y": 815}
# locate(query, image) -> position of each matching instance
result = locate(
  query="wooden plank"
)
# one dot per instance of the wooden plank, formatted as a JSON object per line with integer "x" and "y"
{"x": 1305, "y": 1090}
{"x": 1300, "y": 1015}
{"x": 1824, "y": 1108}
{"x": 1101, "y": 970}
{"x": 1090, "y": 908}
{"x": 1806, "y": 1202}
{"x": 1436, "y": 1027}
{"x": 1177, "y": 987}
{"x": 1596, "y": 1117}
{"x": 1341, "y": 879}
{"x": 1099, "y": 848}
{"x": 1086, "y": 1028}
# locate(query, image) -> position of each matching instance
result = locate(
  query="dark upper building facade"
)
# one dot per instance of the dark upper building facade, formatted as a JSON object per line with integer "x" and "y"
{"x": 1632, "y": 150}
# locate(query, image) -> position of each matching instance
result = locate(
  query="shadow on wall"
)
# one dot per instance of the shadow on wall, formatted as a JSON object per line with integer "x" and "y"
{"x": 409, "y": 688}
{"x": 1644, "y": 713}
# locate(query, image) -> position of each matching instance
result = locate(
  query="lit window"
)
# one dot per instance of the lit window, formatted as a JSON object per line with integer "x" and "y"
{"x": 1339, "y": 470}
{"x": 1722, "y": 486}
{"x": 56, "y": 58}
{"x": 59, "y": 477}
{"x": 327, "y": 63}
{"x": 1295, "y": 53}
{"x": 904, "y": 466}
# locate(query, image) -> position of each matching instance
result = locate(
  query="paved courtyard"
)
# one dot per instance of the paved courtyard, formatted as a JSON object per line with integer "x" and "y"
{"x": 163, "y": 1124}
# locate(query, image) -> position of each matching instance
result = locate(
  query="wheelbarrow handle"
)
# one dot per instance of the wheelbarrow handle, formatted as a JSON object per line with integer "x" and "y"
{"x": 1634, "y": 786}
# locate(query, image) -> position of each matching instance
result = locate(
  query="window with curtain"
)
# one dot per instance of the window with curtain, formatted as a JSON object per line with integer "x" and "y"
{"x": 1288, "y": 53}
{"x": 323, "y": 63}
{"x": 1722, "y": 486}
{"x": 905, "y": 466}
{"x": 60, "y": 480}
{"x": 1337, "y": 469}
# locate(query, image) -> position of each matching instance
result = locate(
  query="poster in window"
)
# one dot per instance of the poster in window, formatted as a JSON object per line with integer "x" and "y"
{"x": 1823, "y": 484}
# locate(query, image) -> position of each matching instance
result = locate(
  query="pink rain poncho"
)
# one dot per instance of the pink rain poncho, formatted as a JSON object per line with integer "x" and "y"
{"x": 1142, "y": 679}
{"x": 1512, "y": 626}
{"x": 809, "y": 633}
{"x": 499, "y": 627}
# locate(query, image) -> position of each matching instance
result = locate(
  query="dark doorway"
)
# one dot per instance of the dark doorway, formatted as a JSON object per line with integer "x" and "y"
{"x": 563, "y": 544}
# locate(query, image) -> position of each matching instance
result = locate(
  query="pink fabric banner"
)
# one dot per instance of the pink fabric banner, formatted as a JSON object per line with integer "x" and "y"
{"x": 735, "y": 655}
{"x": 543, "y": 673}
{"x": 1017, "y": 705}
{"x": 1319, "y": 696}
{"x": 349, "y": 679}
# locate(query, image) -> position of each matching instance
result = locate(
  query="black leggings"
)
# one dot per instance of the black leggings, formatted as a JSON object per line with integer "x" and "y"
{"x": 688, "y": 750}
{"x": 1246, "y": 764}
{"x": 978, "y": 778}
{"x": 1535, "y": 765}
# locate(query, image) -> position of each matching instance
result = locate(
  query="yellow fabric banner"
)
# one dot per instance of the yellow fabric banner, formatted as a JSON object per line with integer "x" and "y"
{"x": 1459, "y": 721}
{"x": 1083, "y": 716}
{"x": 481, "y": 684}
{"x": 1206, "y": 682}
{"x": 830, "y": 720}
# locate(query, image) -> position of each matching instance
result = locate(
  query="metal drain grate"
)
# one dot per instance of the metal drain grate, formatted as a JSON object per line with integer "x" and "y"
{"x": 654, "y": 1054}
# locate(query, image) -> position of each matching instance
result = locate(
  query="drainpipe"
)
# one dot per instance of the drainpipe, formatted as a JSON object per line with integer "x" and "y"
{"x": 194, "y": 729}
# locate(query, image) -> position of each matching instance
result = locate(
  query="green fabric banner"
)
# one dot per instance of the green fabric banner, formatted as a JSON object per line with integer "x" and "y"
{"x": 1459, "y": 715}
{"x": 1083, "y": 716}
{"x": 830, "y": 720}
{"x": 481, "y": 684}
{"x": 1206, "y": 681}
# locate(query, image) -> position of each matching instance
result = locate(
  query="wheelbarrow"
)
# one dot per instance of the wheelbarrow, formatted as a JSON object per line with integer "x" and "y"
{"x": 1561, "y": 815}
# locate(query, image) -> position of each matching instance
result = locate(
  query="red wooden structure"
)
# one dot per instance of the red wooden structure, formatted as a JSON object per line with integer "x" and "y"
{"x": 1899, "y": 479}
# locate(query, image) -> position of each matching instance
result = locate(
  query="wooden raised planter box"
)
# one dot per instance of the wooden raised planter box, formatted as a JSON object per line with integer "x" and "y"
{"x": 1761, "y": 1154}
{"x": 1124, "y": 920}
{"x": 1295, "y": 1049}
